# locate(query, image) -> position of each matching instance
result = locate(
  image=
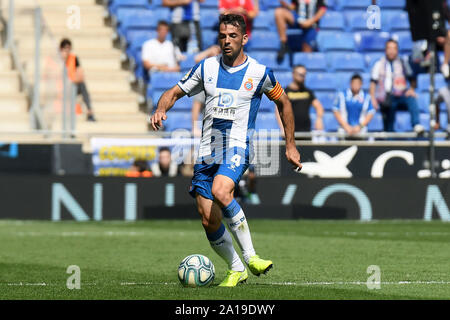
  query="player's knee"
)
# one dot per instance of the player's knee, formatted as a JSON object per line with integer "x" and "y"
{"x": 221, "y": 195}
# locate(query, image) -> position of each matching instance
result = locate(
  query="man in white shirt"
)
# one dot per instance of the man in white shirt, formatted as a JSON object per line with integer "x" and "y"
{"x": 160, "y": 54}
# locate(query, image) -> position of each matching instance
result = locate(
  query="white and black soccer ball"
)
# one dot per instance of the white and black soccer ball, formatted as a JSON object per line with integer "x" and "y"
{"x": 196, "y": 270}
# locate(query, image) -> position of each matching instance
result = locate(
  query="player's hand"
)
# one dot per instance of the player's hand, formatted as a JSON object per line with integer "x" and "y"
{"x": 293, "y": 156}
{"x": 356, "y": 129}
{"x": 157, "y": 118}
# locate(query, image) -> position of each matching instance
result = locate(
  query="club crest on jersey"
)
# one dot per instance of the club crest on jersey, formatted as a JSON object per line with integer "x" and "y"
{"x": 249, "y": 84}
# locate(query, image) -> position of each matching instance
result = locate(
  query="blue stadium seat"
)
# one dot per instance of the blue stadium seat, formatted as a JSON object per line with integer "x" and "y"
{"x": 370, "y": 41}
{"x": 209, "y": 38}
{"x": 314, "y": 61}
{"x": 266, "y": 120}
{"x": 263, "y": 40}
{"x": 178, "y": 120}
{"x": 264, "y": 21}
{"x": 332, "y": 20}
{"x": 329, "y": 122}
{"x": 424, "y": 102}
{"x": 402, "y": 121}
{"x": 209, "y": 4}
{"x": 391, "y": 4}
{"x": 356, "y": 21}
{"x": 423, "y": 82}
{"x": 355, "y": 4}
{"x": 424, "y": 119}
{"x": 346, "y": 61}
{"x": 321, "y": 81}
{"x": 371, "y": 58}
{"x": 399, "y": 22}
{"x": 269, "y": 4}
{"x": 269, "y": 59}
{"x": 141, "y": 20}
{"x": 335, "y": 41}
{"x": 183, "y": 104}
{"x": 343, "y": 80}
{"x": 404, "y": 41}
{"x": 115, "y": 5}
{"x": 443, "y": 120}
{"x": 326, "y": 99}
{"x": 376, "y": 124}
{"x": 266, "y": 105}
{"x": 209, "y": 18}
{"x": 284, "y": 78}
{"x": 187, "y": 64}
{"x": 162, "y": 80}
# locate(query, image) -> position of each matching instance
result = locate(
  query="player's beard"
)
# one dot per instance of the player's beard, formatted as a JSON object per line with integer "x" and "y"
{"x": 232, "y": 56}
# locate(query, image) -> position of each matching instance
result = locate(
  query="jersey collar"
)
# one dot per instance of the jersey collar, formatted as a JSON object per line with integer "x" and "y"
{"x": 233, "y": 69}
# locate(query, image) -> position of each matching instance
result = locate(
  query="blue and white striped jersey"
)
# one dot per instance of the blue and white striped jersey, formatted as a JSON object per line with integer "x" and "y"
{"x": 233, "y": 96}
{"x": 353, "y": 108}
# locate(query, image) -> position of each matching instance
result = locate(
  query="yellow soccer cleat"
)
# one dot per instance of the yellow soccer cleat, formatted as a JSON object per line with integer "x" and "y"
{"x": 258, "y": 265}
{"x": 233, "y": 278}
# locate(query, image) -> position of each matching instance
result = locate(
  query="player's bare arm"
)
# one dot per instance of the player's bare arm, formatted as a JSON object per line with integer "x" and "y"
{"x": 287, "y": 118}
{"x": 166, "y": 102}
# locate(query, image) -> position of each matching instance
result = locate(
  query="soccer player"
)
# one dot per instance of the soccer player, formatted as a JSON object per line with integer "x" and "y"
{"x": 233, "y": 84}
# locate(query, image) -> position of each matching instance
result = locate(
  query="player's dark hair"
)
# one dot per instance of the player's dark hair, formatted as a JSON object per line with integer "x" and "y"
{"x": 162, "y": 23}
{"x": 235, "y": 20}
{"x": 164, "y": 149}
{"x": 391, "y": 40}
{"x": 64, "y": 43}
{"x": 141, "y": 165}
{"x": 299, "y": 66}
{"x": 356, "y": 76}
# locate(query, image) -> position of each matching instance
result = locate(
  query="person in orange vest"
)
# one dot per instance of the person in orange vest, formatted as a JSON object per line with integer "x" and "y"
{"x": 139, "y": 169}
{"x": 76, "y": 75}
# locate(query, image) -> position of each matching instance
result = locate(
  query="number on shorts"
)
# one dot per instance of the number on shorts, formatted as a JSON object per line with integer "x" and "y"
{"x": 236, "y": 159}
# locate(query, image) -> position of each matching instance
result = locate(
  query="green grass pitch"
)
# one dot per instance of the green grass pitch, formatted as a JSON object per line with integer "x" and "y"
{"x": 139, "y": 260}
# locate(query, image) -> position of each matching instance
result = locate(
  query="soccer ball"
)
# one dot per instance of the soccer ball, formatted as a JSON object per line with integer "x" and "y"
{"x": 196, "y": 270}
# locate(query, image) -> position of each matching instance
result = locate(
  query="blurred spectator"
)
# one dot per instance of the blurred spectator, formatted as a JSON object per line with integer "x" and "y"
{"x": 160, "y": 54}
{"x": 76, "y": 74}
{"x": 443, "y": 96}
{"x": 199, "y": 99}
{"x": 353, "y": 108}
{"x": 301, "y": 99}
{"x": 139, "y": 169}
{"x": 183, "y": 13}
{"x": 389, "y": 88}
{"x": 247, "y": 8}
{"x": 303, "y": 14}
{"x": 165, "y": 167}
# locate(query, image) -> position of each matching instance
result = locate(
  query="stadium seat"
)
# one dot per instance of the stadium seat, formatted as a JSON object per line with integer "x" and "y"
{"x": 165, "y": 80}
{"x": 326, "y": 99}
{"x": 209, "y": 18}
{"x": 402, "y": 121}
{"x": 266, "y": 120}
{"x": 140, "y": 20}
{"x": 321, "y": 81}
{"x": 376, "y": 124}
{"x": 332, "y": 20}
{"x": 424, "y": 102}
{"x": 314, "y": 61}
{"x": 399, "y": 22}
{"x": 263, "y": 40}
{"x": 329, "y": 122}
{"x": 371, "y": 58}
{"x": 423, "y": 82}
{"x": 424, "y": 119}
{"x": 183, "y": 104}
{"x": 266, "y": 105}
{"x": 370, "y": 41}
{"x": 346, "y": 61}
{"x": 133, "y": 4}
{"x": 178, "y": 120}
{"x": 269, "y": 59}
{"x": 335, "y": 41}
{"x": 209, "y": 38}
{"x": 391, "y": 4}
{"x": 356, "y": 21}
{"x": 209, "y": 4}
{"x": 269, "y": 4}
{"x": 187, "y": 64}
{"x": 355, "y": 4}
{"x": 284, "y": 78}
{"x": 404, "y": 41}
{"x": 443, "y": 120}
{"x": 264, "y": 21}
